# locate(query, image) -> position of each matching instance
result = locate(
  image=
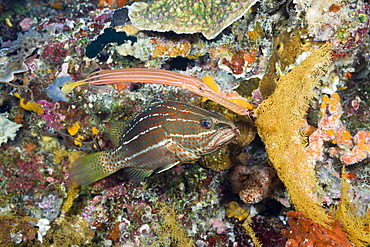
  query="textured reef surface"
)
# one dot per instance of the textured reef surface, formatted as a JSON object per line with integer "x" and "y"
{"x": 298, "y": 174}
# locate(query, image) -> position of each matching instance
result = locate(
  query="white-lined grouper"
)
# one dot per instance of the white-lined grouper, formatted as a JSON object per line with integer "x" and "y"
{"x": 158, "y": 138}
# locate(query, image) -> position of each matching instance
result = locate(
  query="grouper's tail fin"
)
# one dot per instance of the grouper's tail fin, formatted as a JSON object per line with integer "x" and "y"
{"x": 91, "y": 168}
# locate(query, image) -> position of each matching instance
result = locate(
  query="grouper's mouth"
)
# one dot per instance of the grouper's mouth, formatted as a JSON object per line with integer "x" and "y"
{"x": 225, "y": 136}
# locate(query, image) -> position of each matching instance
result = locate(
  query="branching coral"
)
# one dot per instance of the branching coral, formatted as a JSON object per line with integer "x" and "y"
{"x": 172, "y": 233}
{"x": 233, "y": 210}
{"x": 69, "y": 231}
{"x": 278, "y": 122}
{"x": 303, "y": 231}
{"x": 208, "y": 17}
{"x": 357, "y": 227}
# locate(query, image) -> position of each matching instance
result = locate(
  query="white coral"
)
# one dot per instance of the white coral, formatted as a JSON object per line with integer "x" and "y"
{"x": 8, "y": 129}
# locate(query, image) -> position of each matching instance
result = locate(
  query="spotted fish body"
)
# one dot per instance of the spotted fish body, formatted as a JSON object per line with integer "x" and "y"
{"x": 164, "y": 135}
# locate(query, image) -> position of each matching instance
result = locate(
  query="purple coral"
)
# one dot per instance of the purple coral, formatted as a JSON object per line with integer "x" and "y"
{"x": 51, "y": 114}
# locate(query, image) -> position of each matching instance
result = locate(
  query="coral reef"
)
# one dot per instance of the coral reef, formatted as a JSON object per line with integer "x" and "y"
{"x": 234, "y": 210}
{"x": 9, "y": 67}
{"x": 251, "y": 233}
{"x": 67, "y": 231}
{"x": 256, "y": 57}
{"x": 225, "y": 157}
{"x": 171, "y": 49}
{"x": 219, "y": 160}
{"x": 110, "y": 35}
{"x": 349, "y": 34}
{"x": 288, "y": 48}
{"x": 30, "y": 106}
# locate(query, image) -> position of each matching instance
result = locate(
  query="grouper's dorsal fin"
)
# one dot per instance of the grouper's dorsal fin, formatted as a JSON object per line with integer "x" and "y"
{"x": 115, "y": 131}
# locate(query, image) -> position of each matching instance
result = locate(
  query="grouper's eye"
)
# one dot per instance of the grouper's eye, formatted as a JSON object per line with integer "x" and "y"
{"x": 206, "y": 123}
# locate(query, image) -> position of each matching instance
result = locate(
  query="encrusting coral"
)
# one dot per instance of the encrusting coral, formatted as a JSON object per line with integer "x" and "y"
{"x": 279, "y": 119}
{"x": 331, "y": 129}
{"x": 233, "y": 210}
{"x": 208, "y": 17}
{"x": 303, "y": 231}
{"x": 253, "y": 183}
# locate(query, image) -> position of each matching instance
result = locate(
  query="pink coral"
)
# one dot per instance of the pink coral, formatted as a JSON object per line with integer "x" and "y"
{"x": 351, "y": 149}
{"x": 218, "y": 224}
{"x": 51, "y": 114}
{"x": 361, "y": 150}
{"x": 26, "y": 23}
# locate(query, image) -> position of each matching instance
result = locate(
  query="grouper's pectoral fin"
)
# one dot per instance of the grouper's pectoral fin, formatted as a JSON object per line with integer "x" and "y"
{"x": 115, "y": 131}
{"x": 168, "y": 167}
{"x": 137, "y": 175}
{"x": 170, "y": 152}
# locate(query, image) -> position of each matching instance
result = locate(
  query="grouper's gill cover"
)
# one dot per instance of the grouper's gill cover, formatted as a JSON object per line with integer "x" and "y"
{"x": 163, "y": 135}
